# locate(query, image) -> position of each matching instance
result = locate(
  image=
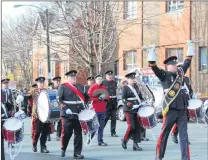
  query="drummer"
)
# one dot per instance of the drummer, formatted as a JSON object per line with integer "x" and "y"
{"x": 130, "y": 100}
{"x": 39, "y": 128}
{"x": 70, "y": 99}
{"x": 99, "y": 105}
{"x": 57, "y": 82}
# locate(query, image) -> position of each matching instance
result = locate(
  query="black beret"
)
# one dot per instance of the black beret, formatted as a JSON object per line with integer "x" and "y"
{"x": 131, "y": 75}
{"x": 40, "y": 79}
{"x": 5, "y": 80}
{"x": 34, "y": 85}
{"x": 98, "y": 75}
{"x": 56, "y": 79}
{"x": 109, "y": 72}
{"x": 171, "y": 60}
{"x": 90, "y": 78}
{"x": 71, "y": 73}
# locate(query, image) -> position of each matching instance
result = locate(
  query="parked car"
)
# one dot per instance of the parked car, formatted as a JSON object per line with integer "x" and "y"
{"x": 120, "y": 113}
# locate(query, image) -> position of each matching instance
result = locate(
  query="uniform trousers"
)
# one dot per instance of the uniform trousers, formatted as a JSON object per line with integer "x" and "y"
{"x": 68, "y": 126}
{"x": 180, "y": 118}
{"x": 40, "y": 129}
{"x": 101, "y": 119}
{"x": 134, "y": 128}
{"x": 111, "y": 112}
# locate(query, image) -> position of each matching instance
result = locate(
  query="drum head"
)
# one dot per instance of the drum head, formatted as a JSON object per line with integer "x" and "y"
{"x": 194, "y": 103}
{"x": 86, "y": 114}
{"x": 13, "y": 124}
{"x": 146, "y": 111}
{"x": 43, "y": 106}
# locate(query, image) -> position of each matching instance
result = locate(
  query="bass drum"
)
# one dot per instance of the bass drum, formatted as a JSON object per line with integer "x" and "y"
{"x": 47, "y": 106}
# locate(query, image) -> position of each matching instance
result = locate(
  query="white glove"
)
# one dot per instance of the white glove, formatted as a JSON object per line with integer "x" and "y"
{"x": 102, "y": 96}
{"x": 151, "y": 53}
{"x": 68, "y": 111}
{"x": 135, "y": 106}
{"x": 190, "y": 51}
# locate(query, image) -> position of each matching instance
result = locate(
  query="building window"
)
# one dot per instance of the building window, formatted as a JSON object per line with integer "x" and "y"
{"x": 52, "y": 68}
{"x": 178, "y": 52}
{"x": 66, "y": 67}
{"x": 40, "y": 68}
{"x": 130, "y": 10}
{"x": 130, "y": 60}
{"x": 174, "y": 5}
{"x": 203, "y": 59}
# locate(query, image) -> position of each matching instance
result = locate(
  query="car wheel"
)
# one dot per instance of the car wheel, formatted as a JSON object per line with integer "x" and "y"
{"x": 121, "y": 114}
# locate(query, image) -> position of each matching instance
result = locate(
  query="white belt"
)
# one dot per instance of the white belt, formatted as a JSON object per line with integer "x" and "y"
{"x": 72, "y": 102}
{"x": 134, "y": 98}
{"x": 113, "y": 96}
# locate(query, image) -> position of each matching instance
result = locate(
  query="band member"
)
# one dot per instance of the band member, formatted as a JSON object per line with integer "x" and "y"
{"x": 6, "y": 110}
{"x": 111, "y": 86}
{"x": 38, "y": 127}
{"x": 189, "y": 92}
{"x": 90, "y": 82}
{"x": 175, "y": 101}
{"x": 30, "y": 101}
{"x": 71, "y": 99}
{"x": 130, "y": 100}
{"x": 6, "y": 96}
{"x": 99, "y": 105}
{"x": 57, "y": 82}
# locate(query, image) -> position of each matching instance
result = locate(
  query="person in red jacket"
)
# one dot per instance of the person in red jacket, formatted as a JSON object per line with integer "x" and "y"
{"x": 99, "y": 105}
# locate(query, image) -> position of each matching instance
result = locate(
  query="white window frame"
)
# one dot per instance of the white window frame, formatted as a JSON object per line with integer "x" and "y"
{"x": 66, "y": 67}
{"x": 174, "y": 5}
{"x": 133, "y": 55}
{"x": 176, "y": 53}
{"x": 53, "y": 64}
{"x": 40, "y": 68}
{"x": 200, "y": 58}
{"x": 131, "y": 10}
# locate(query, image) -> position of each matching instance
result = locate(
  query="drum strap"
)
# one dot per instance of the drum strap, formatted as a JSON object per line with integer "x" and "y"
{"x": 173, "y": 91}
{"x": 75, "y": 90}
{"x": 135, "y": 93}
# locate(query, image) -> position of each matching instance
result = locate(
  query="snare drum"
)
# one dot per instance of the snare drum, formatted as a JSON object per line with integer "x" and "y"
{"x": 47, "y": 106}
{"x": 195, "y": 109}
{"x": 146, "y": 116}
{"x": 88, "y": 120}
{"x": 13, "y": 131}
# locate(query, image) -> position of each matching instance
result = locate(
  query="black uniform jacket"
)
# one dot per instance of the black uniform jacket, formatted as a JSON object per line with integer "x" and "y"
{"x": 167, "y": 78}
{"x": 126, "y": 94}
{"x": 66, "y": 94}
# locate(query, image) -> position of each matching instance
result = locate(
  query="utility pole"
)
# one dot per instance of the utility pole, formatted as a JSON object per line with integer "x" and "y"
{"x": 48, "y": 47}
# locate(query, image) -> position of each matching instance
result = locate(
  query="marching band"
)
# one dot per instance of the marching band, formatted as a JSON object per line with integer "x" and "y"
{"x": 71, "y": 99}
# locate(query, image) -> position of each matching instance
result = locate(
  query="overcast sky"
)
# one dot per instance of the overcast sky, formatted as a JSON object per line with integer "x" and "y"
{"x": 8, "y": 9}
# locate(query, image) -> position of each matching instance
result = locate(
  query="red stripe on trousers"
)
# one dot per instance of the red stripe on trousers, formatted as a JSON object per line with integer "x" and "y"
{"x": 33, "y": 130}
{"x": 129, "y": 127}
{"x": 160, "y": 138}
{"x": 174, "y": 129}
{"x": 62, "y": 133}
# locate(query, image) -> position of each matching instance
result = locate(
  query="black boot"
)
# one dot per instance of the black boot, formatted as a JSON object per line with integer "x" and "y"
{"x": 44, "y": 150}
{"x": 62, "y": 153}
{"x": 124, "y": 144}
{"x": 34, "y": 148}
{"x": 174, "y": 138}
{"x": 144, "y": 139}
{"x": 136, "y": 147}
{"x": 78, "y": 156}
{"x": 114, "y": 135}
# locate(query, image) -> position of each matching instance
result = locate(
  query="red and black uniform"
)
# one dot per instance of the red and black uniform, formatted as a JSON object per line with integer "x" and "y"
{"x": 99, "y": 106}
{"x": 134, "y": 127}
{"x": 39, "y": 129}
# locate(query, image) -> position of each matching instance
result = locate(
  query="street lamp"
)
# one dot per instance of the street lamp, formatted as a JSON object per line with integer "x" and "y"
{"x": 47, "y": 35}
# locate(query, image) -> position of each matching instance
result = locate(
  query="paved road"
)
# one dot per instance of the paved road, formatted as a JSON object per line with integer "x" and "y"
{"x": 198, "y": 136}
